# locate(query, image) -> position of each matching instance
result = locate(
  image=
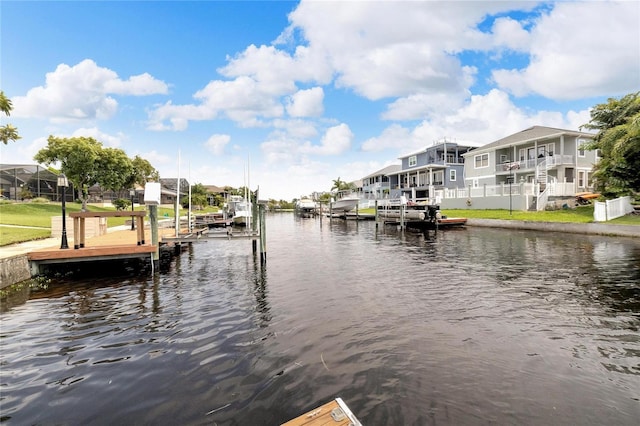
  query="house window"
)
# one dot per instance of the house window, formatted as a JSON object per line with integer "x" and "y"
{"x": 503, "y": 158}
{"x": 581, "y": 178}
{"x": 542, "y": 151}
{"x": 413, "y": 160}
{"x": 551, "y": 149}
{"x": 522, "y": 153}
{"x": 531, "y": 153}
{"x": 580, "y": 143}
{"x": 437, "y": 177}
{"x": 481, "y": 161}
{"x": 452, "y": 175}
{"x": 476, "y": 183}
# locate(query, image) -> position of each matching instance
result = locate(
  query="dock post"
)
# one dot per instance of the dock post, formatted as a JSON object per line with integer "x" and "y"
{"x": 330, "y": 210}
{"x": 402, "y": 217}
{"x": 376, "y": 213}
{"x": 153, "y": 220}
{"x": 263, "y": 236}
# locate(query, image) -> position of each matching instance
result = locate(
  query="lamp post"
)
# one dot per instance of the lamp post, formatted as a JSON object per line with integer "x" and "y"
{"x": 132, "y": 192}
{"x": 63, "y": 182}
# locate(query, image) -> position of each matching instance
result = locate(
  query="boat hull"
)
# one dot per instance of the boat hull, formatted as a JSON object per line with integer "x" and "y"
{"x": 345, "y": 204}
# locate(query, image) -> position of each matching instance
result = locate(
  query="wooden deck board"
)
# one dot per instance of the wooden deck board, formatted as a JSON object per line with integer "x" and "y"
{"x": 321, "y": 416}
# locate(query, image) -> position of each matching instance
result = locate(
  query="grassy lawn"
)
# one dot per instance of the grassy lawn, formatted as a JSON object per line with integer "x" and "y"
{"x": 20, "y": 235}
{"x": 581, "y": 214}
{"x": 38, "y": 216}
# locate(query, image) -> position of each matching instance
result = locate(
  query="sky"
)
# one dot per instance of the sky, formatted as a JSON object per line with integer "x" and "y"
{"x": 288, "y": 97}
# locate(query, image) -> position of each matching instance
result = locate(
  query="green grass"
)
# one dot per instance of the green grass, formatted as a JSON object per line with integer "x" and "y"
{"x": 19, "y": 235}
{"x": 38, "y": 215}
{"x": 581, "y": 214}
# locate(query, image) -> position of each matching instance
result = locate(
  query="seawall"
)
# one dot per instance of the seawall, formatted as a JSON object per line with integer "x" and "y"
{"x": 14, "y": 269}
{"x": 574, "y": 228}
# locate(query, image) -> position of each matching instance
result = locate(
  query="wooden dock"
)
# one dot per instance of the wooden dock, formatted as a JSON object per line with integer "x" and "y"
{"x": 334, "y": 413}
{"x": 118, "y": 245}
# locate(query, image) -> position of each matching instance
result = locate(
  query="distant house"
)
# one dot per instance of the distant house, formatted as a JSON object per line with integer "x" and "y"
{"x": 436, "y": 167}
{"x": 378, "y": 184}
{"x": 169, "y": 190}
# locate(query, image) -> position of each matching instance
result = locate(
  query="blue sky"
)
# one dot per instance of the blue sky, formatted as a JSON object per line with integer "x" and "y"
{"x": 301, "y": 93}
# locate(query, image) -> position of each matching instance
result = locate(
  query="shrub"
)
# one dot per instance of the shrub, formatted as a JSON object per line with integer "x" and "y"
{"x": 121, "y": 204}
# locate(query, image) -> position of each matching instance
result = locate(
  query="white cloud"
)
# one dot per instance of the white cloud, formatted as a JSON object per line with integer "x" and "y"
{"x": 306, "y": 103}
{"x": 216, "y": 143}
{"x": 335, "y": 141}
{"x": 482, "y": 120}
{"x": 106, "y": 139}
{"x": 509, "y": 33}
{"x": 81, "y": 92}
{"x": 580, "y": 50}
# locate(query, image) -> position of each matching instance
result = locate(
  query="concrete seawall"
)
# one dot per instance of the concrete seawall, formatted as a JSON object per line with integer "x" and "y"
{"x": 14, "y": 269}
{"x": 574, "y": 228}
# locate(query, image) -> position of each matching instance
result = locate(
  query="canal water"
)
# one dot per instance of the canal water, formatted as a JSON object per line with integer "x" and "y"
{"x": 471, "y": 326}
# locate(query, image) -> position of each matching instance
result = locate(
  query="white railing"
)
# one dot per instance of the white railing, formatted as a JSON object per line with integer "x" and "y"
{"x": 611, "y": 209}
{"x": 543, "y": 198}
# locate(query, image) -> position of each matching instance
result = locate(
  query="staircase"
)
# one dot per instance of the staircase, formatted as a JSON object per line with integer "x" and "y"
{"x": 541, "y": 174}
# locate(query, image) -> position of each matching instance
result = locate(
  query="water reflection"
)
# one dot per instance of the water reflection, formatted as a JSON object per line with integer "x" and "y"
{"x": 460, "y": 326}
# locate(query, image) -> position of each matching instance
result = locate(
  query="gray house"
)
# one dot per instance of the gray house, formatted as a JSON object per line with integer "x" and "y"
{"x": 436, "y": 167}
{"x": 541, "y": 155}
{"x": 378, "y": 184}
{"x": 525, "y": 170}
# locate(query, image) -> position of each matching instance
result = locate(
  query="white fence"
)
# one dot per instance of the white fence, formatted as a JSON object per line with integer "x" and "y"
{"x": 611, "y": 209}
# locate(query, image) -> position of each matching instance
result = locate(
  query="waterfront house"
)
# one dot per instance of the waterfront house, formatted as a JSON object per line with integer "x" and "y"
{"x": 525, "y": 170}
{"x": 436, "y": 167}
{"x": 378, "y": 184}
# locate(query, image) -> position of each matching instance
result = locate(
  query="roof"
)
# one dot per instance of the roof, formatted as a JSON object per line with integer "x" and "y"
{"x": 531, "y": 134}
{"x": 447, "y": 142}
{"x": 392, "y": 169}
{"x": 214, "y": 189}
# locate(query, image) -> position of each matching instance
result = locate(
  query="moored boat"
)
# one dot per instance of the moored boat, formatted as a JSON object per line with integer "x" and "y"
{"x": 306, "y": 207}
{"x": 345, "y": 201}
{"x": 242, "y": 213}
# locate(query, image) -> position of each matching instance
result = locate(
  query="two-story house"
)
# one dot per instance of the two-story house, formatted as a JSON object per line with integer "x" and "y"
{"x": 554, "y": 159}
{"x": 378, "y": 184}
{"x": 438, "y": 166}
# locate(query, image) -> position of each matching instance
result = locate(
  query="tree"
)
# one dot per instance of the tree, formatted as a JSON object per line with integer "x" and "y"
{"x": 198, "y": 196}
{"x": 141, "y": 173}
{"x": 8, "y": 132}
{"x": 618, "y": 139}
{"x": 78, "y": 158}
{"x": 340, "y": 185}
{"x": 114, "y": 169}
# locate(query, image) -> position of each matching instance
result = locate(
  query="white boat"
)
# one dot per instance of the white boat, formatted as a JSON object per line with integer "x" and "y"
{"x": 238, "y": 210}
{"x": 345, "y": 201}
{"x": 306, "y": 207}
{"x": 242, "y": 213}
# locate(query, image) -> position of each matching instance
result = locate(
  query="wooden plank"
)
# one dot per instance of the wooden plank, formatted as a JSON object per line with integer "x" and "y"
{"x": 91, "y": 252}
{"x": 118, "y": 213}
{"x": 322, "y": 416}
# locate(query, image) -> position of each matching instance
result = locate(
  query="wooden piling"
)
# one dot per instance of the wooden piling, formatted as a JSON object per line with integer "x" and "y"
{"x": 153, "y": 221}
{"x": 263, "y": 235}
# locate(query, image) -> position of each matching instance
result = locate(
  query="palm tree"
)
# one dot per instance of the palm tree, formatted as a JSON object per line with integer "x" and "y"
{"x": 8, "y": 132}
{"x": 340, "y": 185}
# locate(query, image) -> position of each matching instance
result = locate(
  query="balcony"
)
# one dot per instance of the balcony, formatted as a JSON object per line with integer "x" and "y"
{"x": 550, "y": 161}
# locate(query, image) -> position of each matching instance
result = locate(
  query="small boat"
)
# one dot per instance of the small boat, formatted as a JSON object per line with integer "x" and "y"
{"x": 418, "y": 216}
{"x": 242, "y": 213}
{"x": 345, "y": 201}
{"x": 306, "y": 207}
{"x": 333, "y": 413}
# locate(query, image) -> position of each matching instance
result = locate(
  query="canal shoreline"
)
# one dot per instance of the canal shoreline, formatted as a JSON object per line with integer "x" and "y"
{"x": 14, "y": 265}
